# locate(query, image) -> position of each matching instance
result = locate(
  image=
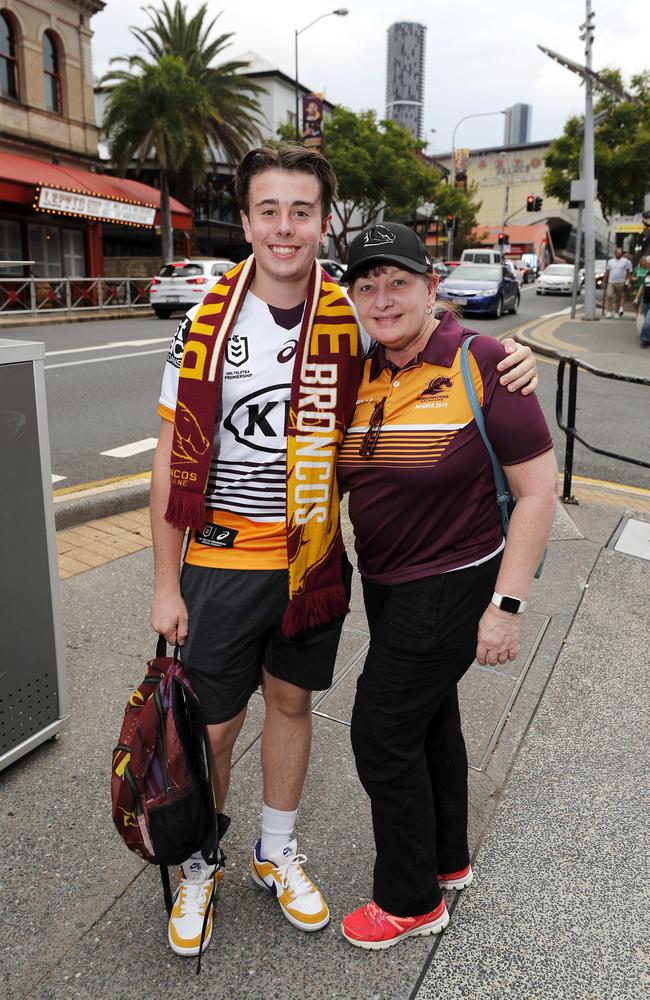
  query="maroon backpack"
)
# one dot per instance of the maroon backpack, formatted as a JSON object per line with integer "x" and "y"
{"x": 161, "y": 789}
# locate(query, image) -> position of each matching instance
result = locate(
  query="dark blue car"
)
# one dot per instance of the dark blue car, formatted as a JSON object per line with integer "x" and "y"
{"x": 489, "y": 289}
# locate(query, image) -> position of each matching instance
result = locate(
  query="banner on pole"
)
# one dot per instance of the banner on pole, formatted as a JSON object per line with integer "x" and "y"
{"x": 312, "y": 121}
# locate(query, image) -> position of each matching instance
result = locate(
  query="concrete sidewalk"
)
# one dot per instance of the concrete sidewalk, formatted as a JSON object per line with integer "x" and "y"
{"x": 609, "y": 344}
{"x": 558, "y": 782}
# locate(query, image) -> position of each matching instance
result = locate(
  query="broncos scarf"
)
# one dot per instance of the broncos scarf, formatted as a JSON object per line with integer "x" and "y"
{"x": 326, "y": 375}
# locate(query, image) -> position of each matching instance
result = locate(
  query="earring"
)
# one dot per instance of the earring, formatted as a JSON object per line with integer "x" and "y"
{"x": 429, "y": 310}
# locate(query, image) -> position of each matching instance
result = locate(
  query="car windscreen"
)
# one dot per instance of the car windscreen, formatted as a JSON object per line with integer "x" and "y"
{"x": 476, "y": 272}
{"x": 180, "y": 270}
{"x": 559, "y": 270}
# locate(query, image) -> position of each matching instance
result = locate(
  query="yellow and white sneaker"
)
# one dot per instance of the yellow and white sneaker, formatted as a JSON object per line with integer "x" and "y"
{"x": 283, "y": 875}
{"x": 194, "y": 898}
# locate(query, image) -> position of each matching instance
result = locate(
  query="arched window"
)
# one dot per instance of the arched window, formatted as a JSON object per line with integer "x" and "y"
{"x": 51, "y": 74}
{"x": 8, "y": 66}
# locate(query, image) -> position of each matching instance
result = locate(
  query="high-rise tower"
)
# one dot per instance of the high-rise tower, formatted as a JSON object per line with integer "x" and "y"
{"x": 517, "y": 124}
{"x": 405, "y": 75}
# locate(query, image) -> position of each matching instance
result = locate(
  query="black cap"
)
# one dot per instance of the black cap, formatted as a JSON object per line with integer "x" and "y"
{"x": 387, "y": 243}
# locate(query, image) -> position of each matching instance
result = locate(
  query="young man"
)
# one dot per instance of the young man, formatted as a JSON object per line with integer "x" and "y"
{"x": 253, "y": 416}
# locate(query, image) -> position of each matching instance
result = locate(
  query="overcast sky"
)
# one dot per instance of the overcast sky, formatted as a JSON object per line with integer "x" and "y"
{"x": 480, "y": 55}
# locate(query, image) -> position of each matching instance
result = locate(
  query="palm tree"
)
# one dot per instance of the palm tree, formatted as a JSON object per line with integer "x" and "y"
{"x": 233, "y": 121}
{"x": 222, "y": 109}
{"x": 159, "y": 110}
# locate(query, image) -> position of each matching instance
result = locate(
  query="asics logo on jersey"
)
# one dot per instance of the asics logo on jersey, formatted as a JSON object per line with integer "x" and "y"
{"x": 287, "y": 351}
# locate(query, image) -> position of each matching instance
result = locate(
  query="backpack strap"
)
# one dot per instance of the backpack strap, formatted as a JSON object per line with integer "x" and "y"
{"x": 503, "y": 493}
{"x": 167, "y": 889}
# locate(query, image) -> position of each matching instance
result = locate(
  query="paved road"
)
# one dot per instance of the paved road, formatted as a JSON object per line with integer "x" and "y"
{"x": 103, "y": 379}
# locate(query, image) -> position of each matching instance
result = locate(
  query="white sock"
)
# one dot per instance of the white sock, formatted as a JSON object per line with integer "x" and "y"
{"x": 277, "y": 829}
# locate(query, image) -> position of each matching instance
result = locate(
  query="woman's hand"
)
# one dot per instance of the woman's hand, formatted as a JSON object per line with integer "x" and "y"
{"x": 520, "y": 367}
{"x": 498, "y": 637}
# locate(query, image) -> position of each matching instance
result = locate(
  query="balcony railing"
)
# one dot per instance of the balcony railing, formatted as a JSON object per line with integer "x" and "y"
{"x": 36, "y": 295}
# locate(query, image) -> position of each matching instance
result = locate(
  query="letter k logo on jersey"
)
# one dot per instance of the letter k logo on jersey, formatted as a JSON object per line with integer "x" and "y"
{"x": 237, "y": 351}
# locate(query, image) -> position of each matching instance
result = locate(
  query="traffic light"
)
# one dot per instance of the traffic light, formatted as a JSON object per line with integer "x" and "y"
{"x": 538, "y": 204}
{"x": 530, "y": 203}
{"x": 460, "y": 179}
{"x": 451, "y": 224}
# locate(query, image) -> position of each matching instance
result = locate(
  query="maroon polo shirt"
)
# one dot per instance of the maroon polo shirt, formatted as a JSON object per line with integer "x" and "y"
{"x": 424, "y": 502}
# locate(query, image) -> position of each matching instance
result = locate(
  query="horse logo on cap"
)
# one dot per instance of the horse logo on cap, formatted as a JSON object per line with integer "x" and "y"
{"x": 378, "y": 236}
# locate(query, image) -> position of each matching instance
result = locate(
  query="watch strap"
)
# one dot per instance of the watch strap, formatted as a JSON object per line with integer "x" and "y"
{"x": 510, "y": 604}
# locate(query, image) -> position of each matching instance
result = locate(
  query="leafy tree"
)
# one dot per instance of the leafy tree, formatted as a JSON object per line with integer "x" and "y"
{"x": 621, "y": 145}
{"x": 380, "y": 167}
{"x": 158, "y": 110}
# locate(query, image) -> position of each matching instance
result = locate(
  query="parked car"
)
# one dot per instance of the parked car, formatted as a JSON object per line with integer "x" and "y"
{"x": 489, "y": 289}
{"x": 556, "y": 279}
{"x": 441, "y": 269}
{"x": 333, "y": 267}
{"x": 183, "y": 283}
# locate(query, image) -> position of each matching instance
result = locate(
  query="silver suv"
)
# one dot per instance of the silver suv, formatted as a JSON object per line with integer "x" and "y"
{"x": 182, "y": 284}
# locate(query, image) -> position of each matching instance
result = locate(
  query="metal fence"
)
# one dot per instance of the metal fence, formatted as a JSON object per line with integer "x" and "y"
{"x": 569, "y": 425}
{"x": 35, "y": 295}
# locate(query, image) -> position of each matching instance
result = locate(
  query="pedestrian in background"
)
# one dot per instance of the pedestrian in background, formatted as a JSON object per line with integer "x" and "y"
{"x": 618, "y": 271}
{"x": 642, "y": 303}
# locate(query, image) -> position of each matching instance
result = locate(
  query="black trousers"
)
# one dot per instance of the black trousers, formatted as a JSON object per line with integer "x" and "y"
{"x": 406, "y": 730}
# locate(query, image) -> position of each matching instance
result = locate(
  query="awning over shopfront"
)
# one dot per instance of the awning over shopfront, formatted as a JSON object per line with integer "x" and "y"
{"x": 69, "y": 191}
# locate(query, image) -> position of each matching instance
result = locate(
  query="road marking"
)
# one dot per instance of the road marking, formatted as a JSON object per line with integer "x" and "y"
{"x": 615, "y": 487}
{"x": 113, "y": 357}
{"x": 112, "y": 346}
{"x": 101, "y": 484}
{"x": 57, "y": 479}
{"x": 135, "y": 448}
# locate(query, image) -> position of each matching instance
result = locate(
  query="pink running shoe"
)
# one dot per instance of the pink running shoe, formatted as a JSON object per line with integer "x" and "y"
{"x": 457, "y": 880}
{"x": 371, "y": 927}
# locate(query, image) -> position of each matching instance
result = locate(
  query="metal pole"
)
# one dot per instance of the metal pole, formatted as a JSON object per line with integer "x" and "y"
{"x": 589, "y": 169}
{"x": 574, "y": 290}
{"x": 576, "y": 279}
{"x": 450, "y": 244}
{"x": 297, "y": 91}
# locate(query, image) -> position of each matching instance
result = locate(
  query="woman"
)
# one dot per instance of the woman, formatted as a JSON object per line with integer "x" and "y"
{"x": 440, "y": 586}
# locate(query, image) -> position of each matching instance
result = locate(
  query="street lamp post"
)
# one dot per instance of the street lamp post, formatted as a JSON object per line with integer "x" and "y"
{"x": 339, "y": 12}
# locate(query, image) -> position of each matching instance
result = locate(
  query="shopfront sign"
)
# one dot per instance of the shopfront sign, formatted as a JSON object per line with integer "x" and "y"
{"x": 78, "y": 203}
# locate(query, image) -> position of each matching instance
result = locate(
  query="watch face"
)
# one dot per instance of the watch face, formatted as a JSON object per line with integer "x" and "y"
{"x": 510, "y": 604}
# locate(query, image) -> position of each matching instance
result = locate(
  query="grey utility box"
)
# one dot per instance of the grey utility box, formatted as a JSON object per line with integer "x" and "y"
{"x": 33, "y": 688}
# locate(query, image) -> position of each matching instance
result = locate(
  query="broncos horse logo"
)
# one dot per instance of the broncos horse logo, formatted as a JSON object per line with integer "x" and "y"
{"x": 437, "y": 385}
{"x": 378, "y": 236}
{"x": 189, "y": 440}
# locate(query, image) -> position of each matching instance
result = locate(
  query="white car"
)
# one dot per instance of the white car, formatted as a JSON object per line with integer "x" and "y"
{"x": 515, "y": 272}
{"x": 556, "y": 278}
{"x": 182, "y": 284}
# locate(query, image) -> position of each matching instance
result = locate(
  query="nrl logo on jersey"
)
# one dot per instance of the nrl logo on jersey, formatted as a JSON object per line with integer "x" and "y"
{"x": 237, "y": 351}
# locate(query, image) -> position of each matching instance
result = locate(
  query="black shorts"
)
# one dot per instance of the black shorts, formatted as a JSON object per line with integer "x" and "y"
{"x": 235, "y": 618}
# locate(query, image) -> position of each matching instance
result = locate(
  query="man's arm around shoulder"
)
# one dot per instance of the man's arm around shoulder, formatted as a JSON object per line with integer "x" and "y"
{"x": 168, "y": 611}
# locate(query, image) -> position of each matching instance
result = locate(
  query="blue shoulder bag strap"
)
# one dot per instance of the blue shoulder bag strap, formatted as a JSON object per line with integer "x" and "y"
{"x": 505, "y": 498}
{"x": 504, "y": 495}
